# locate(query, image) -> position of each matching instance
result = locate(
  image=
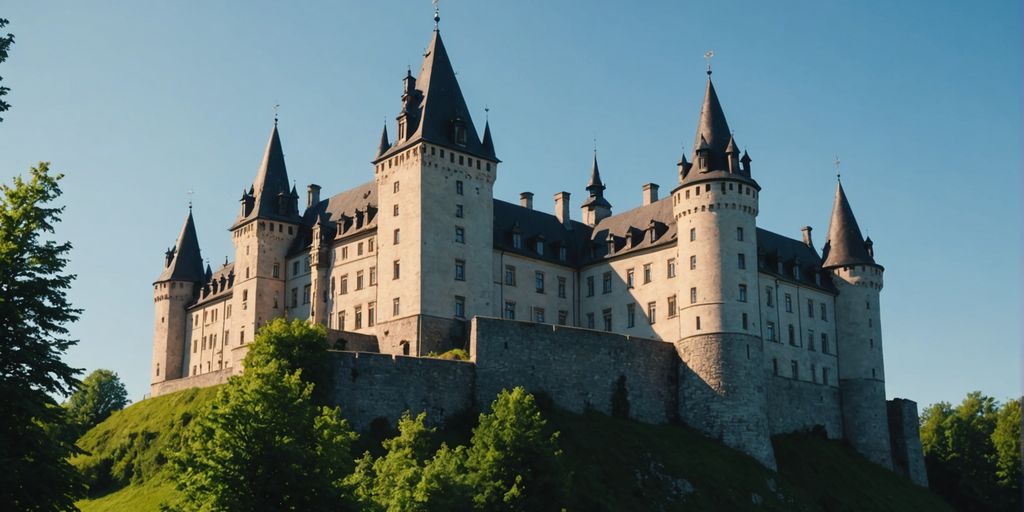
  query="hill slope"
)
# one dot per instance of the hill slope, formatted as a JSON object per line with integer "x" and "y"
{"x": 615, "y": 465}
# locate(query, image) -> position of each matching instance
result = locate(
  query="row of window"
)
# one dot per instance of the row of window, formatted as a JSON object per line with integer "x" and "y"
{"x": 822, "y": 306}
{"x": 743, "y": 189}
{"x": 210, "y": 315}
{"x": 606, "y": 278}
{"x": 339, "y": 320}
{"x": 826, "y": 348}
{"x": 208, "y": 342}
{"x": 460, "y": 138}
{"x": 538, "y": 314}
{"x": 343, "y": 254}
{"x": 794, "y": 369}
{"x": 538, "y": 280}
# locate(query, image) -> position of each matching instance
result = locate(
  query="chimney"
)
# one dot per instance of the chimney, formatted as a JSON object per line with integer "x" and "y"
{"x": 312, "y": 195}
{"x": 650, "y": 193}
{"x": 562, "y": 208}
{"x": 526, "y": 200}
{"x": 807, "y": 236}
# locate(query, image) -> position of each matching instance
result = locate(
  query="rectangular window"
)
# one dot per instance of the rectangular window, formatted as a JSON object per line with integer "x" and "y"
{"x": 693, "y": 234}
{"x": 458, "y": 211}
{"x": 671, "y": 268}
{"x": 394, "y": 211}
{"x": 590, "y": 320}
{"x": 397, "y": 236}
{"x": 517, "y": 240}
{"x": 746, "y": 322}
{"x": 344, "y": 253}
{"x": 396, "y": 306}
{"x": 672, "y": 306}
{"x": 359, "y": 249}
{"x": 824, "y": 343}
{"x": 607, "y": 319}
{"x": 810, "y": 339}
{"x": 810, "y": 308}
{"x": 458, "y": 187}
{"x": 460, "y": 270}
{"x": 341, "y": 320}
{"x": 590, "y": 286}
{"x": 789, "y": 303}
{"x": 538, "y": 315}
{"x": 630, "y": 278}
{"x": 693, "y": 295}
{"x": 295, "y": 297}
{"x": 770, "y": 331}
{"x": 563, "y": 317}
{"x": 396, "y": 269}
{"x": 561, "y": 287}
{"x": 460, "y": 307}
{"x": 795, "y": 369}
{"x": 510, "y": 310}
{"x": 371, "y": 314}
{"x": 539, "y": 247}
{"x": 563, "y": 254}
{"x": 693, "y": 262}
{"x": 647, "y": 273}
{"x": 369, "y": 245}
{"x": 277, "y": 270}
{"x": 824, "y": 376}
{"x": 359, "y": 280}
{"x": 295, "y": 268}
{"x": 630, "y": 315}
{"x": 739, "y": 234}
{"x": 606, "y": 283}
{"x": 510, "y": 275}
{"x": 792, "y": 335}
{"x": 538, "y": 281}
{"x": 743, "y": 293}
{"x": 698, "y": 323}
{"x": 824, "y": 312}
{"x": 460, "y": 234}
{"x": 652, "y": 312}
{"x": 741, "y": 261}
{"x": 769, "y": 299}
{"x": 305, "y": 294}
{"x": 373, "y": 276}
{"x": 359, "y": 317}
{"x": 343, "y": 286}
{"x": 394, "y": 187}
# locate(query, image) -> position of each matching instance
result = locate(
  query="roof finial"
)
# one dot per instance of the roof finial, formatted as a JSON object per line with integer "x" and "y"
{"x": 276, "y": 106}
{"x": 189, "y": 200}
{"x": 595, "y": 146}
{"x": 707, "y": 56}
{"x": 437, "y": 13}
{"x": 487, "y": 114}
{"x": 838, "y": 176}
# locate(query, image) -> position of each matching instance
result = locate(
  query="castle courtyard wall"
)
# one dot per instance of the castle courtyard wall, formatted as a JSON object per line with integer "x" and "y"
{"x": 203, "y": 380}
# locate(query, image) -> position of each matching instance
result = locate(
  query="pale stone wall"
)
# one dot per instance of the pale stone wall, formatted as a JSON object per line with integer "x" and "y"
{"x": 904, "y": 427}
{"x": 795, "y": 406}
{"x": 208, "y": 337}
{"x": 815, "y": 362}
{"x": 371, "y": 386}
{"x": 205, "y": 380}
{"x": 580, "y": 369}
{"x": 170, "y": 321}
{"x": 523, "y": 293}
{"x": 349, "y": 259}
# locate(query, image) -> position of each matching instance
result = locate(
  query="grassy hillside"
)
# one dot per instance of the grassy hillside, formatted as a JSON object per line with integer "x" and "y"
{"x": 615, "y": 465}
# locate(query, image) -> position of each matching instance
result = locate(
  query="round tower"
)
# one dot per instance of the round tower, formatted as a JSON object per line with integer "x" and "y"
{"x": 722, "y": 389}
{"x": 173, "y": 291}
{"x": 850, "y": 259}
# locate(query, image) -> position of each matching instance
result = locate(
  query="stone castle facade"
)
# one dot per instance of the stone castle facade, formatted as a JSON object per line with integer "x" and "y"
{"x": 683, "y": 303}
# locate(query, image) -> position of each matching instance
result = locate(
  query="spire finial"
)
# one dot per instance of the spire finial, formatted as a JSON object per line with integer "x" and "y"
{"x": 276, "y": 107}
{"x": 437, "y": 13}
{"x": 487, "y": 114}
{"x": 838, "y": 174}
{"x": 595, "y": 146}
{"x": 189, "y": 200}
{"x": 707, "y": 56}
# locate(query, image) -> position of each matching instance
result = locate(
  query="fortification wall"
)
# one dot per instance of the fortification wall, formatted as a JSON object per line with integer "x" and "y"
{"x": 419, "y": 335}
{"x": 352, "y": 341}
{"x": 905, "y": 438}
{"x": 204, "y": 380}
{"x": 797, "y": 405}
{"x": 369, "y": 386}
{"x": 865, "y": 419}
{"x": 579, "y": 369}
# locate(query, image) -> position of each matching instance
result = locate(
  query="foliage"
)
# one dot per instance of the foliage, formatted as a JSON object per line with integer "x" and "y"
{"x": 295, "y": 345}
{"x": 1006, "y": 438}
{"x": 960, "y": 447}
{"x": 455, "y": 354}
{"x": 263, "y": 444}
{"x": 100, "y": 394}
{"x": 5, "y": 48}
{"x": 34, "y": 313}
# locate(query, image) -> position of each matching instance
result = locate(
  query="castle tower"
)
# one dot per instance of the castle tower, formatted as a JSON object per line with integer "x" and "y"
{"x": 858, "y": 278}
{"x": 595, "y": 208}
{"x": 715, "y": 206}
{"x": 434, "y": 185}
{"x": 173, "y": 291}
{"x": 267, "y": 223}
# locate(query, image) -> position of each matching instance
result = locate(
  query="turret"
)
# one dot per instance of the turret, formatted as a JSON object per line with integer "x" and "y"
{"x": 173, "y": 291}
{"x": 595, "y": 208}
{"x": 850, "y": 259}
{"x": 715, "y": 207}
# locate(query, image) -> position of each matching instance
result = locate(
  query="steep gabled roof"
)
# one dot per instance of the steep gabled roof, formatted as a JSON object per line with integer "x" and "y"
{"x": 272, "y": 198}
{"x": 845, "y": 245}
{"x": 712, "y": 128}
{"x": 186, "y": 263}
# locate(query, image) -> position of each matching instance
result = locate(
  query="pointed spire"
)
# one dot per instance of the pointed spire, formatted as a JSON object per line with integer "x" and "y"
{"x": 487, "y": 143}
{"x": 186, "y": 262}
{"x": 595, "y": 186}
{"x": 271, "y": 184}
{"x": 845, "y": 245}
{"x": 208, "y": 273}
{"x": 713, "y": 134}
{"x": 384, "y": 144}
{"x": 731, "y": 148}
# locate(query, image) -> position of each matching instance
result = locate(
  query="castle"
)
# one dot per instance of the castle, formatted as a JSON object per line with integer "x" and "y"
{"x": 682, "y": 308}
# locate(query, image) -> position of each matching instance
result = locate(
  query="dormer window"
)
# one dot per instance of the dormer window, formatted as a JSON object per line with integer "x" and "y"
{"x": 540, "y": 247}
{"x": 517, "y": 240}
{"x": 702, "y": 162}
{"x": 401, "y": 128}
{"x": 460, "y": 132}
{"x": 563, "y": 253}
{"x": 796, "y": 272}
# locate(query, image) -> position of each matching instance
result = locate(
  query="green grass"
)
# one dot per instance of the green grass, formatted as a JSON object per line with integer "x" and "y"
{"x": 614, "y": 464}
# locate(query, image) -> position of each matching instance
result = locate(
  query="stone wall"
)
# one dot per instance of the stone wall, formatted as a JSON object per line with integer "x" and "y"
{"x": 419, "y": 335}
{"x": 371, "y": 386}
{"x": 795, "y": 405}
{"x": 865, "y": 419}
{"x": 905, "y": 438}
{"x": 579, "y": 369}
{"x": 199, "y": 381}
{"x": 352, "y": 341}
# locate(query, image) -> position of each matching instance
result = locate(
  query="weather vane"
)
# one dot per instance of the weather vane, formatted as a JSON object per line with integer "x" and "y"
{"x": 437, "y": 12}
{"x": 276, "y": 107}
{"x": 189, "y": 199}
{"x": 836, "y": 161}
{"x": 707, "y": 56}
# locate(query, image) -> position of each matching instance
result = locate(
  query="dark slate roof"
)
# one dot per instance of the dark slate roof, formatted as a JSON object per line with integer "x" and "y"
{"x": 342, "y": 215}
{"x": 713, "y": 135}
{"x": 537, "y": 226}
{"x": 270, "y": 197}
{"x": 220, "y": 285}
{"x": 186, "y": 264}
{"x": 596, "y": 188}
{"x": 845, "y": 245}
{"x": 439, "y": 105}
{"x": 780, "y": 256}
{"x": 384, "y": 143}
{"x": 630, "y": 231}
{"x": 488, "y": 143}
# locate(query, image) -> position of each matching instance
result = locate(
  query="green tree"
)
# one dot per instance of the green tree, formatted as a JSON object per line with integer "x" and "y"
{"x": 1006, "y": 439}
{"x": 100, "y": 394}
{"x": 264, "y": 444}
{"x": 296, "y": 345}
{"x": 34, "y": 314}
{"x": 5, "y": 48}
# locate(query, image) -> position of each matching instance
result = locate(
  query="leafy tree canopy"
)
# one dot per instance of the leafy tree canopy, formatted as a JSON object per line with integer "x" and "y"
{"x": 5, "y": 48}
{"x": 295, "y": 345}
{"x": 100, "y": 394}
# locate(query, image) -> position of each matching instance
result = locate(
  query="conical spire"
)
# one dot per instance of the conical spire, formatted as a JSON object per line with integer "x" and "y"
{"x": 487, "y": 143}
{"x": 713, "y": 136}
{"x": 384, "y": 144}
{"x": 271, "y": 185}
{"x": 845, "y": 245}
{"x": 595, "y": 183}
{"x": 186, "y": 264}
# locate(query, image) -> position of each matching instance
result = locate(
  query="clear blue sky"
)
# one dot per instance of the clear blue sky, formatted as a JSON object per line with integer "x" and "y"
{"x": 137, "y": 102}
